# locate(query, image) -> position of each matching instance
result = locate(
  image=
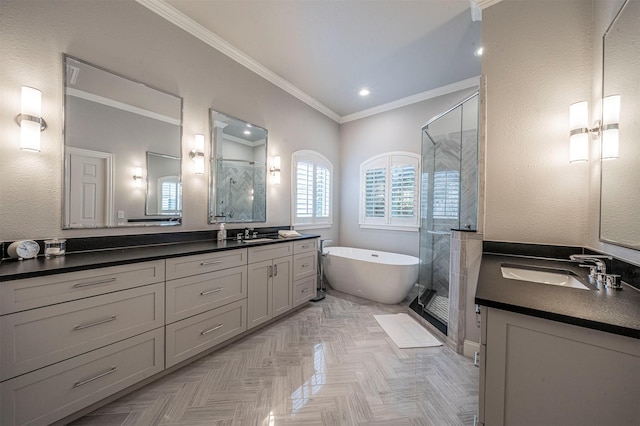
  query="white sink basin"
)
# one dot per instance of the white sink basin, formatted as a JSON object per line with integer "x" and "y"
{"x": 257, "y": 240}
{"x": 561, "y": 278}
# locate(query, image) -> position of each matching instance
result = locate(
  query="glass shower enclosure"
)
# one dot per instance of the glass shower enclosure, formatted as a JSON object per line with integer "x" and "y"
{"x": 449, "y": 201}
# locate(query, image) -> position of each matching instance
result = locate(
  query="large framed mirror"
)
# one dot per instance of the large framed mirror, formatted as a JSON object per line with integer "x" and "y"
{"x": 122, "y": 162}
{"x": 620, "y": 184}
{"x": 238, "y": 170}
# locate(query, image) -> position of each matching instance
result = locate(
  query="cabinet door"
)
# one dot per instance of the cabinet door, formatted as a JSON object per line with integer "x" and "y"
{"x": 282, "y": 289}
{"x": 259, "y": 309}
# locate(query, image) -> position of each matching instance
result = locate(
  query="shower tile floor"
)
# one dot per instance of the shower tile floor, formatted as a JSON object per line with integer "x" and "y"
{"x": 438, "y": 306}
{"x": 330, "y": 363}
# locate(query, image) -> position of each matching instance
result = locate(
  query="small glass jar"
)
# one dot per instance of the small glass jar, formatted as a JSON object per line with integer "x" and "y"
{"x": 54, "y": 247}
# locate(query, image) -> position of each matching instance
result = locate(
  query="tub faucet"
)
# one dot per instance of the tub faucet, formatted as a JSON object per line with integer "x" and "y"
{"x": 322, "y": 244}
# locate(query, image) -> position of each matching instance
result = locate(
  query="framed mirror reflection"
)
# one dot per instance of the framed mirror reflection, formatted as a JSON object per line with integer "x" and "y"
{"x": 620, "y": 176}
{"x": 237, "y": 190}
{"x": 122, "y": 163}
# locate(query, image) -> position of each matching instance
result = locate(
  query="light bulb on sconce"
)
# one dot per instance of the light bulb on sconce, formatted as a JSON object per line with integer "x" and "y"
{"x": 29, "y": 120}
{"x": 579, "y": 129}
{"x": 137, "y": 177}
{"x": 275, "y": 170}
{"x": 197, "y": 154}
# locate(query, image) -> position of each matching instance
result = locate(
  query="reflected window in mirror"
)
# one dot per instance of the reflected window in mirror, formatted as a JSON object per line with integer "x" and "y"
{"x": 113, "y": 124}
{"x": 620, "y": 179}
{"x": 238, "y": 191}
{"x": 312, "y": 190}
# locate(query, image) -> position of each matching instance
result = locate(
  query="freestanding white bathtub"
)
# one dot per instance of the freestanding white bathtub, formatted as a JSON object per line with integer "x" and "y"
{"x": 375, "y": 275}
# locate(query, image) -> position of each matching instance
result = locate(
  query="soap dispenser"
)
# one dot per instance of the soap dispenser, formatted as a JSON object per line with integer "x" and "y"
{"x": 222, "y": 233}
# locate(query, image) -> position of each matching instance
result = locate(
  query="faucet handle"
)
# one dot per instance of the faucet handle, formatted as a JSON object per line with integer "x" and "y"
{"x": 612, "y": 281}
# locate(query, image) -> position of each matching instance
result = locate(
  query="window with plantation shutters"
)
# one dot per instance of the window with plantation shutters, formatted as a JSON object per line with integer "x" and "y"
{"x": 389, "y": 191}
{"x": 170, "y": 195}
{"x": 312, "y": 190}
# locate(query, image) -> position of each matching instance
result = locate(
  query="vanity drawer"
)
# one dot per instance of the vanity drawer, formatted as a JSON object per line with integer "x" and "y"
{"x": 194, "y": 295}
{"x": 37, "y": 338}
{"x": 180, "y": 267}
{"x": 305, "y": 246}
{"x": 304, "y": 265}
{"x": 29, "y": 293}
{"x": 193, "y": 335}
{"x": 270, "y": 251}
{"x": 54, "y": 392}
{"x": 304, "y": 290}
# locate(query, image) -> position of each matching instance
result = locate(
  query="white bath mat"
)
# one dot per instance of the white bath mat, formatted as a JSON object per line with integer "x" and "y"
{"x": 406, "y": 332}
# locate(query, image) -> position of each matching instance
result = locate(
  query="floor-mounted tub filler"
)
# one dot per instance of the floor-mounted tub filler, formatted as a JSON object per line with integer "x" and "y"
{"x": 375, "y": 275}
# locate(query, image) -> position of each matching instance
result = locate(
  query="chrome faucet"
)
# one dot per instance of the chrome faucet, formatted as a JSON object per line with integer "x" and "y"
{"x": 322, "y": 244}
{"x": 598, "y": 271}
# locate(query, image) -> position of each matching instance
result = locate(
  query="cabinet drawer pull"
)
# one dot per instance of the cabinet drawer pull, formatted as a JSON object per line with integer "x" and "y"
{"x": 304, "y": 290}
{"x": 211, "y": 330}
{"x": 215, "y": 262}
{"x": 275, "y": 270}
{"x": 305, "y": 246}
{"x": 305, "y": 265}
{"x": 270, "y": 271}
{"x": 91, "y": 324}
{"x": 108, "y": 280}
{"x": 476, "y": 359}
{"x": 215, "y": 290}
{"x": 84, "y": 382}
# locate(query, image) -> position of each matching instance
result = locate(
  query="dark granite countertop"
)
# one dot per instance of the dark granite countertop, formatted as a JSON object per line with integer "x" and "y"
{"x": 613, "y": 311}
{"x": 18, "y": 269}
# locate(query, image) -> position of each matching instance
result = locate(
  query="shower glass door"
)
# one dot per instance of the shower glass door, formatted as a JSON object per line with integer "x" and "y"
{"x": 448, "y": 201}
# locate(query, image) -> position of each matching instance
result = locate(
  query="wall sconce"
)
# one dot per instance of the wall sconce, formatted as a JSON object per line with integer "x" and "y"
{"x": 29, "y": 120}
{"x": 610, "y": 125}
{"x": 197, "y": 155}
{"x": 579, "y": 129}
{"x": 137, "y": 177}
{"x": 579, "y": 132}
{"x": 275, "y": 170}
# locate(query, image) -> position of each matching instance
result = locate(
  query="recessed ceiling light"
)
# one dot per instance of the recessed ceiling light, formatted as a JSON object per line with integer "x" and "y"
{"x": 246, "y": 132}
{"x": 478, "y": 51}
{"x": 364, "y": 92}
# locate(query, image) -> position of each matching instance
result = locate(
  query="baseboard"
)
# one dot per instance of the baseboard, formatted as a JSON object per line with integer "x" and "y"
{"x": 470, "y": 348}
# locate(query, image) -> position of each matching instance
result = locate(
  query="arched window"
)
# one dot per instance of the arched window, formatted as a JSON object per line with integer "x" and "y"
{"x": 389, "y": 191}
{"x": 312, "y": 190}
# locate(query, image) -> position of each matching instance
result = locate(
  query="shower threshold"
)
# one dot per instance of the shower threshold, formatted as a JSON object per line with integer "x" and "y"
{"x": 432, "y": 308}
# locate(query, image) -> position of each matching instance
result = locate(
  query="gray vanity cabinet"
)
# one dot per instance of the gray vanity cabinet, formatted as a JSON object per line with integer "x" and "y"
{"x": 206, "y": 302}
{"x": 270, "y": 282}
{"x": 542, "y": 372}
{"x": 305, "y": 267}
{"x": 70, "y": 340}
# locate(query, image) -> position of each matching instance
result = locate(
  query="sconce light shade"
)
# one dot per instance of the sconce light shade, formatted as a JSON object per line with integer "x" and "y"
{"x": 197, "y": 155}
{"x": 578, "y": 132}
{"x": 137, "y": 177}
{"x": 29, "y": 120}
{"x": 275, "y": 170}
{"x": 610, "y": 125}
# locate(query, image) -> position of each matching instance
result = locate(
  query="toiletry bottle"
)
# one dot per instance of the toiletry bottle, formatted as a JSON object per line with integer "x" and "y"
{"x": 222, "y": 233}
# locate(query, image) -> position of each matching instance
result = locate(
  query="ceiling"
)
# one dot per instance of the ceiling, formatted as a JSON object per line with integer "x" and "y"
{"x": 325, "y": 51}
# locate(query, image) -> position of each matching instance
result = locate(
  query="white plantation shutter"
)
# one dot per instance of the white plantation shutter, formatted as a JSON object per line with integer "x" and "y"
{"x": 446, "y": 192}
{"x": 389, "y": 191}
{"x": 312, "y": 189}
{"x": 170, "y": 195}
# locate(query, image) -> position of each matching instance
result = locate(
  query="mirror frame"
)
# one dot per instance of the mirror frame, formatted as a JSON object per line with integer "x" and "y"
{"x": 213, "y": 190}
{"x": 112, "y": 222}
{"x": 609, "y": 239}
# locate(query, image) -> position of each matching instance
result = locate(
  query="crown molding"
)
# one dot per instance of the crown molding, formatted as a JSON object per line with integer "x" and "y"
{"x": 419, "y": 97}
{"x": 483, "y": 4}
{"x": 166, "y": 11}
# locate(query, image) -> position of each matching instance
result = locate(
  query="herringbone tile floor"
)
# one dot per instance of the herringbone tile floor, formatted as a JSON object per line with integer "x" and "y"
{"x": 328, "y": 364}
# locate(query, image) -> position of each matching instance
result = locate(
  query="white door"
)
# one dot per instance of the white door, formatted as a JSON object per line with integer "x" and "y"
{"x": 89, "y": 188}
